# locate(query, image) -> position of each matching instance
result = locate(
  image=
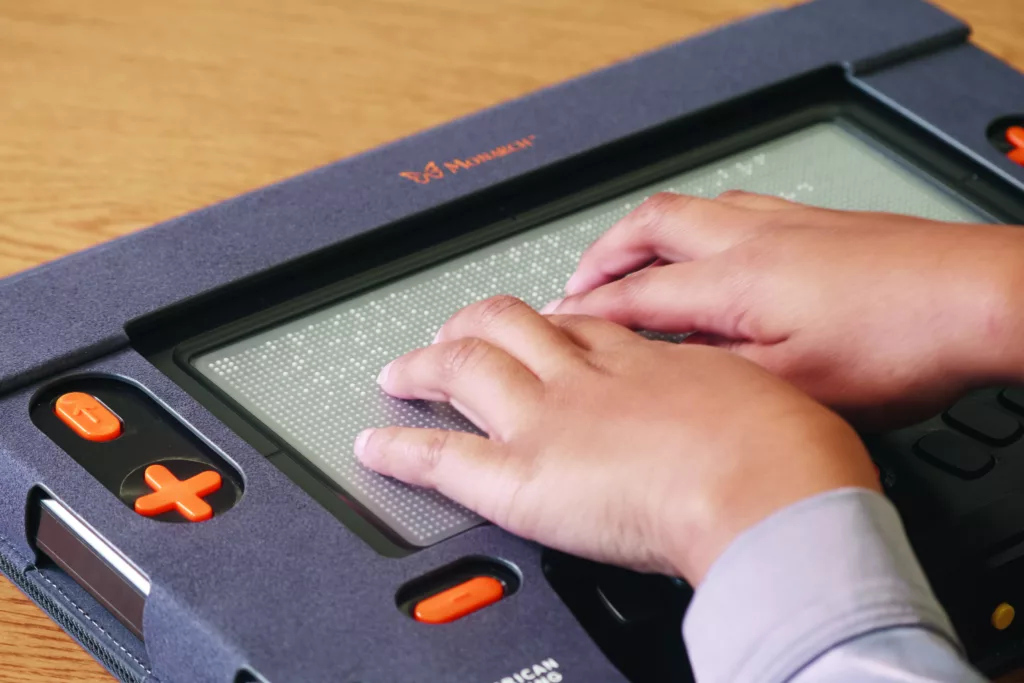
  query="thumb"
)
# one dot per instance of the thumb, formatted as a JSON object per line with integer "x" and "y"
{"x": 466, "y": 468}
{"x": 695, "y": 296}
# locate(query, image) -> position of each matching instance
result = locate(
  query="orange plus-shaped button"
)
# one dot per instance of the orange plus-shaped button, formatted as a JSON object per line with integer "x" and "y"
{"x": 169, "y": 493}
{"x": 1015, "y": 136}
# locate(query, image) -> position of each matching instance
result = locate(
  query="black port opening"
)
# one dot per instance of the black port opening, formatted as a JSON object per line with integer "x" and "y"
{"x": 996, "y": 132}
{"x": 635, "y": 619}
{"x": 63, "y": 542}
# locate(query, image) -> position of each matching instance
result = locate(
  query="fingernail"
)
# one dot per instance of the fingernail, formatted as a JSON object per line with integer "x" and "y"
{"x": 361, "y": 440}
{"x": 573, "y": 284}
{"x": 383, "y": 376}
{"x": 551, "y": 306}
{"x": 437, "y": 337}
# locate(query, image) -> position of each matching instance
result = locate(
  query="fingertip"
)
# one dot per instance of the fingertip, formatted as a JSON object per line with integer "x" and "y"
{"x": 551, "y": 307}
{"x": 575, "y": 284}
{"x": 382, "y": 377}
{"x": 362, "y": 439}
{"x": 566, "y": 305}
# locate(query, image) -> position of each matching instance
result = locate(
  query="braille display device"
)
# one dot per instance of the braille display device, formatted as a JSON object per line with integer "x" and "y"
{"x": 177, "y": 483}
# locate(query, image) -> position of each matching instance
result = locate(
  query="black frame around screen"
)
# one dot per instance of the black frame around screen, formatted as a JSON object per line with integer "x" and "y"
{"x": 171, "y": 337}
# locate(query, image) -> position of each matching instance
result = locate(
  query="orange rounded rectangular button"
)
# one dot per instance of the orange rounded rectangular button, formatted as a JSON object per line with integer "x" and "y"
{"x": 89, "y": 418}
{"x": 458, "y": 601}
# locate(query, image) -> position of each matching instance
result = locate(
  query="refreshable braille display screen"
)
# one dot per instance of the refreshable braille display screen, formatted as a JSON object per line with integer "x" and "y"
{"x": 312, "y": 380}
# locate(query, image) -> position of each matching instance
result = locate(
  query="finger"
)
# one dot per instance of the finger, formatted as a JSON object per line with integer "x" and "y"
{"x": 491, "y": 388}
{"x": 755, "y": 201}
{"x": 467, "y": 468}
{"x": 684, "y": 297}
{"x": 509, "y": 324}
{"x": 590, "y": 333}
{"x": 667, "y": 226}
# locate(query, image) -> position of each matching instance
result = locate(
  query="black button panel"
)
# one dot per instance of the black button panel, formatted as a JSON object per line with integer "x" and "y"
{"x": 955, "y": 453}
{"x": 960, "y": 494}
{"x": 984, "y": 422}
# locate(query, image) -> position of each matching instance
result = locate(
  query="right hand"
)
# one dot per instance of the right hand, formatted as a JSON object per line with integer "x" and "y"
{"x": 884, "y": 318}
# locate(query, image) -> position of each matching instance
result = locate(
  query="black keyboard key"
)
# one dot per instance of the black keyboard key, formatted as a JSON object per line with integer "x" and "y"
{"x": 955, "y": 453}
{"x": 984, "y": 422}
{"x": 1013, "y": 399}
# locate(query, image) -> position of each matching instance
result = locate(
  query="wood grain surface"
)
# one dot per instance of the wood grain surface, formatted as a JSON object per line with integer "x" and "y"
{"x": 116, "y": 114}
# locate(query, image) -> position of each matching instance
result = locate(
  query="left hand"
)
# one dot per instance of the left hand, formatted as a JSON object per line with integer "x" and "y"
{"x": 607, "y": 445}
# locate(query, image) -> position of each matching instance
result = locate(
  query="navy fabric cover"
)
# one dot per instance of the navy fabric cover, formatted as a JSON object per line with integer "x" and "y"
{"x": 59, "y": 314}
{"x": 277, "y": 584}
{"x": 106, "y": 633}
{"x": 957, "y": 93}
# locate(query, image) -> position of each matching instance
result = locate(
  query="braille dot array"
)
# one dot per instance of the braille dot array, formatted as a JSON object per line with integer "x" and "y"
{"x": 312, "y": 380}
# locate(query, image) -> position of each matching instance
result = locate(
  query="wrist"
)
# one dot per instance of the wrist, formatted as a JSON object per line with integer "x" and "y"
{"x": 708, "y": 523}
{"x": 993, "y": 352}
{"x": 818, "y": 574}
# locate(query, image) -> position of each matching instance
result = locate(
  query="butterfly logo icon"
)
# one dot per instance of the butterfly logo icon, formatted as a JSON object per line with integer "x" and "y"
{"x": 431, "y": 170}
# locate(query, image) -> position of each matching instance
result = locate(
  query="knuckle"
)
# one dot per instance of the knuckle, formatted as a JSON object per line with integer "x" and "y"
{"x": 433, "y": 450}
{"x": 461, "y": 355}
{"x": 488, "y": 311}
{"x": 741, "y": 310}
{"x": 657, "y": 205}
{"x": 382, "y": 443}
{"x": 631, "y": 290}
{"x": 736, "y": 194}
{"x": 662, "y": 211}
{"x": 664, "y": 201}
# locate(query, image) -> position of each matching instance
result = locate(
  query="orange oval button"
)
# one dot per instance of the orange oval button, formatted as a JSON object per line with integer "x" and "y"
{"x": 458, "y": 601}
{"x": 1015, "y": 136}
{"x": 89, "y": 418}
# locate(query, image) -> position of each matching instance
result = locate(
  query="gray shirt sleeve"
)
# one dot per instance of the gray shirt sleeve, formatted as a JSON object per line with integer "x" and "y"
{"x": 827, "y": 590}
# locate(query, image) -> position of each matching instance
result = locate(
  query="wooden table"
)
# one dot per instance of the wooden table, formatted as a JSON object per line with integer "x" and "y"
{"x": 117, "y": 114}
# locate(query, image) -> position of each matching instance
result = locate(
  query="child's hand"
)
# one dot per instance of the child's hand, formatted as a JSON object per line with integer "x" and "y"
{"x": 884, "y": 318}
{"x": 607, "y": 445}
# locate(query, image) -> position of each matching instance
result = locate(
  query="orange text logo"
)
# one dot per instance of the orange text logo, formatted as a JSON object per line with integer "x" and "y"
{"x": 433, "y": 171}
